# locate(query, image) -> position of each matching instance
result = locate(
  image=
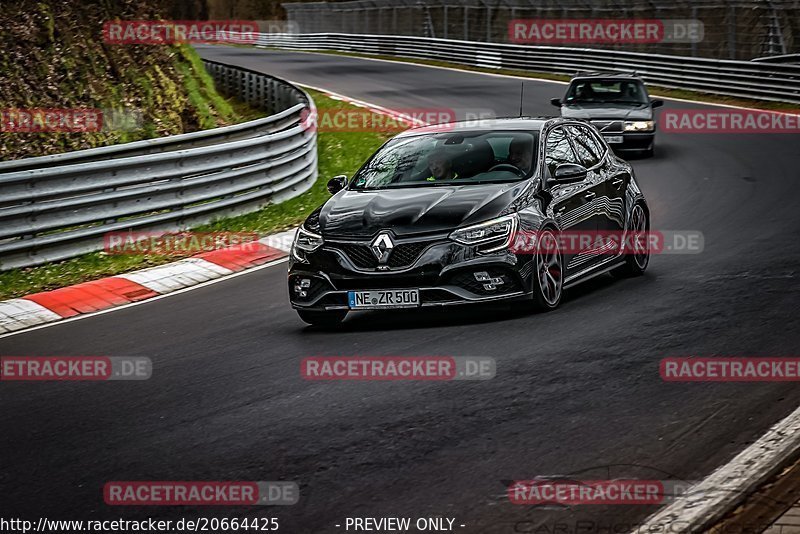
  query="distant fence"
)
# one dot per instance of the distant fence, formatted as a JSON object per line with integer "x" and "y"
{"x": 734, "y": 29}
{"x": 745, "y": 79}
{"x": 58, "y": 207}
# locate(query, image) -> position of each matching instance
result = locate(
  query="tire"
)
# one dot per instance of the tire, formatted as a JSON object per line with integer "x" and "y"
{"x": 636, "y": 262}
{"x": 650, "y": 152}
{"x": 548, "y": 274}
{"x": 322, "y": 318}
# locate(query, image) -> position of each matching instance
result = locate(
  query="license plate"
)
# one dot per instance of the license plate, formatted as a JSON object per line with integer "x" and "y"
{"x": 388, "y": 298}
{"x": 613, "y": 139}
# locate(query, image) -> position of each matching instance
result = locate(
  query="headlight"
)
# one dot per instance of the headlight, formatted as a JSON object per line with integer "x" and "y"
{"x": 639, "y": 126}
{"x": 305, "y": 241}
{"x": 494, "y": 235}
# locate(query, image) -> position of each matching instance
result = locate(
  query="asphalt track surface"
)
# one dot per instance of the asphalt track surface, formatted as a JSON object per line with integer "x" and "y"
{"x": 577, "y": 391}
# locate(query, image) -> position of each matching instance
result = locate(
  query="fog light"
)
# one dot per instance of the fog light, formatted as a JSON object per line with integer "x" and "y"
{"x": 492, "y": 283}
{"x": 300, "y": 287}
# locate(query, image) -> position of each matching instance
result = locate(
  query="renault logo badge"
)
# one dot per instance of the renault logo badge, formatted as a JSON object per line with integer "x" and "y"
{"x": 382, "y": 247}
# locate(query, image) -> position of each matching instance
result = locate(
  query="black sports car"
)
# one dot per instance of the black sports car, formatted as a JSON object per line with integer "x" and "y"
{"x": 435, "y": 217}
{"x": 618, "y": 104}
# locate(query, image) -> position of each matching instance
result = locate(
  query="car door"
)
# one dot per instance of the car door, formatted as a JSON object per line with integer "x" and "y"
{"x": 609, "y": 186}
{"x": 615, "y": 179}
{"x": 573, "y": 203}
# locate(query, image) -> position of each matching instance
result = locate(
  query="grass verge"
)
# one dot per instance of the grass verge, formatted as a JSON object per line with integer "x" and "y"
{"x": 339, "y": 153}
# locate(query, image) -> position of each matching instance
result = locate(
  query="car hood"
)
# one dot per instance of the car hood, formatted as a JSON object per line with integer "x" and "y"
{"x": 605, "y": 111}
{"x": 418, "y": 210}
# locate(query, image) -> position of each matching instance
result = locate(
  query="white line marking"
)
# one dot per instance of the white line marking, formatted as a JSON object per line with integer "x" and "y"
{"x": 159, "y": 297}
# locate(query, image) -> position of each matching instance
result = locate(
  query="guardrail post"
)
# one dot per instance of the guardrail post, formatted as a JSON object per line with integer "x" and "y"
{"x": 732, "y": 32}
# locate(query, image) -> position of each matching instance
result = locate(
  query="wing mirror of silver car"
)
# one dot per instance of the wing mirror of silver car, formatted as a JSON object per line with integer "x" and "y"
{"x": 656, "y": 103}
{"x": 569, "y": 172}
{"x": 337, "y": 183}
{"x": 556, "y": 102}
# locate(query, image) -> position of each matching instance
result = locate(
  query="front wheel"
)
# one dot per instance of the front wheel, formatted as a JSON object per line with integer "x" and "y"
{"x": 638, "y": 257}
{"x": 322, "y": 318}
{"x": 548, "y": 282}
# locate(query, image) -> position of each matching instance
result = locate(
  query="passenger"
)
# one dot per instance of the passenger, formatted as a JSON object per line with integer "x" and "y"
{"x": 520, "y": 154}
{"x": 440, "y": 166}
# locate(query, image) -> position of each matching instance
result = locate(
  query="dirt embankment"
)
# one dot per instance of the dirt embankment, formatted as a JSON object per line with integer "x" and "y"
{"x": 53, "y": 56}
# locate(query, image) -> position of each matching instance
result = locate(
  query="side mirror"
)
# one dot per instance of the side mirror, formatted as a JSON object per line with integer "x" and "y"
{"x": 656, "y": 103}
{"x": 337, "y": 183}
{"x": 556, "y": 102}
{"x": 569, "y": 172}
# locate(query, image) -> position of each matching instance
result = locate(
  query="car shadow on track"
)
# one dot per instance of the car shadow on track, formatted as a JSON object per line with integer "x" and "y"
{"x": 403, "y": 319}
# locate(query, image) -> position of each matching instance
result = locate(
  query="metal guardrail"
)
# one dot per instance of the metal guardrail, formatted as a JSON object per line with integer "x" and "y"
{"x": 62, "y": 205}
{"x": 733, "y": 29}
{"x": 260, "y": 90}
{"x": 743, "y": 79}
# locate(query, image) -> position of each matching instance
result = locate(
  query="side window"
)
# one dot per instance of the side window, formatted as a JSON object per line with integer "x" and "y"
{"x": 587, "y": 146}
{"x": 558, "y": 150}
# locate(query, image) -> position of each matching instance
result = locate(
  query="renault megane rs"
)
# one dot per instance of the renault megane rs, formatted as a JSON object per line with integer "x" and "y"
{"x": 434, "y": 218}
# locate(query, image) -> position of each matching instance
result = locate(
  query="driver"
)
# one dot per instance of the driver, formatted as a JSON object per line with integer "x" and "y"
{"x": 584, "y": 92}
{"x": 520, "y": 154}
{"x": 440, "y": 166}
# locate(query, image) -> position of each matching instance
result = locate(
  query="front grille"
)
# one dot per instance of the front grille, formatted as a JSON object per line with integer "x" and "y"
{"x": 360, "y": 255}
{"x": 466, "y": 279}
{"x": 609, "y": 126}
{"x": 403, "y": 254}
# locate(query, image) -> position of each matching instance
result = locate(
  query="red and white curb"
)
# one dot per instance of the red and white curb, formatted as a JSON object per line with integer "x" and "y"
{"x": 97, "y": 295}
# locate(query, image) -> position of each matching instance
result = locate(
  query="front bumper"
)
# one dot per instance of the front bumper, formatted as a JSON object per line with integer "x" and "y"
{"x": 633, "y": 140}
{"x": 442, "y": 270}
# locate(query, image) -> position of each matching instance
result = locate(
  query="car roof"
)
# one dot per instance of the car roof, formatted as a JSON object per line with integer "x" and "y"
{"x": 606, "y": 76}
{"x": 506, "y": 123}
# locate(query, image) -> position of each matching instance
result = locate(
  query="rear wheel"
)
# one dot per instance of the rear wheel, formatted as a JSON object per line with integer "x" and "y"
{"x": 637, "y": 259}
{"x": 322, "y": 318}
{"x": 548, "y": 277}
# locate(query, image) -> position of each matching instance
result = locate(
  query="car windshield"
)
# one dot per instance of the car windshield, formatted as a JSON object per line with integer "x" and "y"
{"x": 607, "y": 91}
{"x": 436, "y": 159}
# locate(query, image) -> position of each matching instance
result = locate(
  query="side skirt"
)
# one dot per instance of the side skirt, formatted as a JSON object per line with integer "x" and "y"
{"x": 593, "y": 271}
